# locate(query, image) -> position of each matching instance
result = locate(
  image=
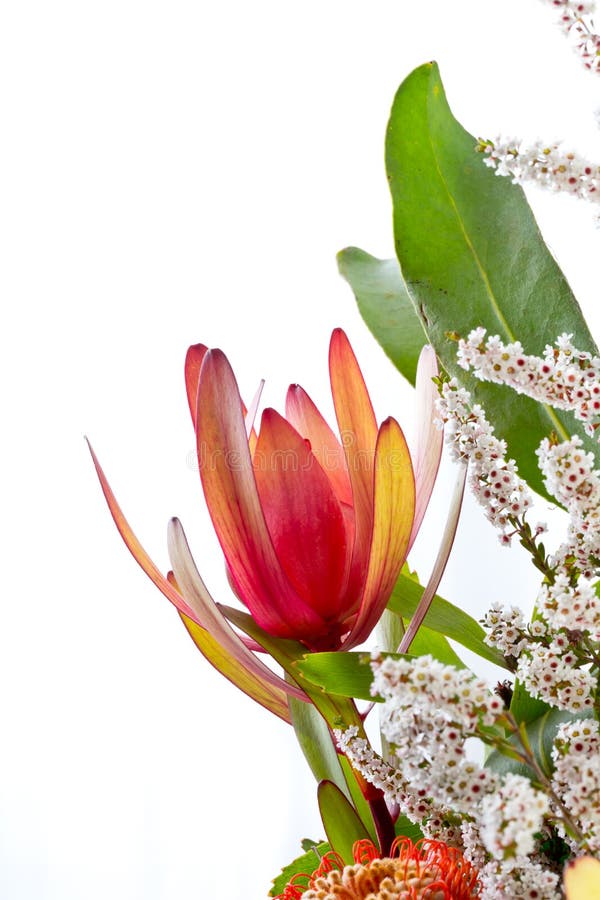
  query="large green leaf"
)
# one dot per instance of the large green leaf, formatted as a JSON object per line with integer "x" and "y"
{"x": 540, "y": 733}
{"x": 342, "y": 824}
{"x": 386, "y": 307}
{"x": 444, "y": 618}
{"x": 471, "y": 254}
{"x": 524, "y": 707}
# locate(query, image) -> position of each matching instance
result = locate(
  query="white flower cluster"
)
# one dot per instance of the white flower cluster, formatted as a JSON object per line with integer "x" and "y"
{"x": 563, "y": 377}
{"x": 548, "y": 166}
{"x": 573, "y": 21}
{"x": 506, "y": 629}
{"x": 549, "y": 673}
{"x": 516, "y": 878}
{"x": 569, "y": 475}
{"x": 427, "y": 721}
{"x": 412, "y": 802}
{"x": 571, "y": 607}
{"x": 429, "y": 711}
{"x": 576, "y": 781}
{"x": 511, "y": 817}
{"x": 493, "y": 478}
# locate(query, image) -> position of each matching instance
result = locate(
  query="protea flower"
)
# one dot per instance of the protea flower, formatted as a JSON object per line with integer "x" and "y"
{"x": 314, "y": 528}
{"x": 429, "y": 869}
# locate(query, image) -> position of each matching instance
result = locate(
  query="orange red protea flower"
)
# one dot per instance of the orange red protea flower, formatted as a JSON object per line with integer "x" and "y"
{"x": 429, "y": 869}
{"x": 314, "y": 527}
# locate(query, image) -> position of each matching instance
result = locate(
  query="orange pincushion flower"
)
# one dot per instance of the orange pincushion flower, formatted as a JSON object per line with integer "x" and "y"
{"x": 428, "y": 869}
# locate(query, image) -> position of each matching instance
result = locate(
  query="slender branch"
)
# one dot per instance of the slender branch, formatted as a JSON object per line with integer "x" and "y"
{"x": 441, "y": 561}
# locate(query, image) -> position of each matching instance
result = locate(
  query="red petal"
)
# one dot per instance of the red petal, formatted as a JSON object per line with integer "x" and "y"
{"x": 303, "y": 515}
{"x": 394, "y": 504}
{"x": 428, "y": 446}
{"x": 234, "y": 505}
{"x": 358, "y": 430}
{"x": 193, "y": 364}
{"x": 308, "y": 421}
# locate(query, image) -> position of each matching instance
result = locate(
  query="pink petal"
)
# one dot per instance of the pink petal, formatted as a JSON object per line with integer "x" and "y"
{"x": 208, "y": 616}
{"x": 304, "y": 517}
{"x": 136, "y": 549}
{"x": 234, "y": 505}
{"x": 428, "y": 445}
{"x": 394, "y": 503}
{"x": 193, "y": 364}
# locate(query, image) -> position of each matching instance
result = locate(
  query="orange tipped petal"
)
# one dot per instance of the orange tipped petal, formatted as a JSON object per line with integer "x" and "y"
{"x": 193, "y": 364}
{"x": 582, "y": 879}
{"x": 308, "y": 421}
{"x": 210, "y": 619}
{"x": 358, "y": 430}
{"x": 136, "y": 549}
{"x": 394, "y": 504}
{"x": 428, "y": 445}
{"x": 304, "y": 517}
{"x": 234, "y": 505}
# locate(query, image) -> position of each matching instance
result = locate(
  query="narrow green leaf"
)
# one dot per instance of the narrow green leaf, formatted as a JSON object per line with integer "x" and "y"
{"x": 314, "y": 738}
{"x": 345, "y": 674}
{"x": 358, "y": 801}
{"x": 386, "y": 306}
{"x": 307, "y": 863}
{"x": 443, "y": 617}
{"x": 471, "y": 254}
{"x": 427, "y": 641}
{"x": 342, "y": 824}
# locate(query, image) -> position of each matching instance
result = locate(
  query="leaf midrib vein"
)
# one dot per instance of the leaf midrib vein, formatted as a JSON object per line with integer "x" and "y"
{"x": 557, "y": 424}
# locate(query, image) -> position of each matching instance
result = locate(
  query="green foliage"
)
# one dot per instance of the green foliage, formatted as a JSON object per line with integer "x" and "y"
{"x": 307, "y": 863}
{"x": 344, "y": 674}
{"x": 386, "y": 307}
{"x": 314, "y": 738}
{"x": 540, "y": 734}
{"x": 342, "y": 823}
{"x": 443, "y": 617}
{"x": 470, "y": 254}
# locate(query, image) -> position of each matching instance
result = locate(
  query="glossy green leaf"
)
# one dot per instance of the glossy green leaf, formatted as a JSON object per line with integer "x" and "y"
{"x": 405, "y": 828}
{"x": 471, "y": 254}
{"x": 342, "y": 824}
{"x": 386, "y": 306}
{"x": 444, "y": 618}
{"x": 524, "y": 707}
{"x": 541, "y": 733}
{"x": 344, "y": 674}
{"x": 306, "y": 864}
{"x": 314, "y": 738}
{"x": 427, "y": 641}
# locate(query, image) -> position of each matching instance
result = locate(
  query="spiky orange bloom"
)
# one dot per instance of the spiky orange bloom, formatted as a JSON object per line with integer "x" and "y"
{"x": 428, "y": 869}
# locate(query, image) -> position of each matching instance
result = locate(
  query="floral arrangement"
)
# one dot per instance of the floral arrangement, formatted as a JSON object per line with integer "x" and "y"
{"x": 316, "y": 528}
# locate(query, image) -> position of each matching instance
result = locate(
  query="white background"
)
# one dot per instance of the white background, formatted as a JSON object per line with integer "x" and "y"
{"x": 172, "y": 173}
